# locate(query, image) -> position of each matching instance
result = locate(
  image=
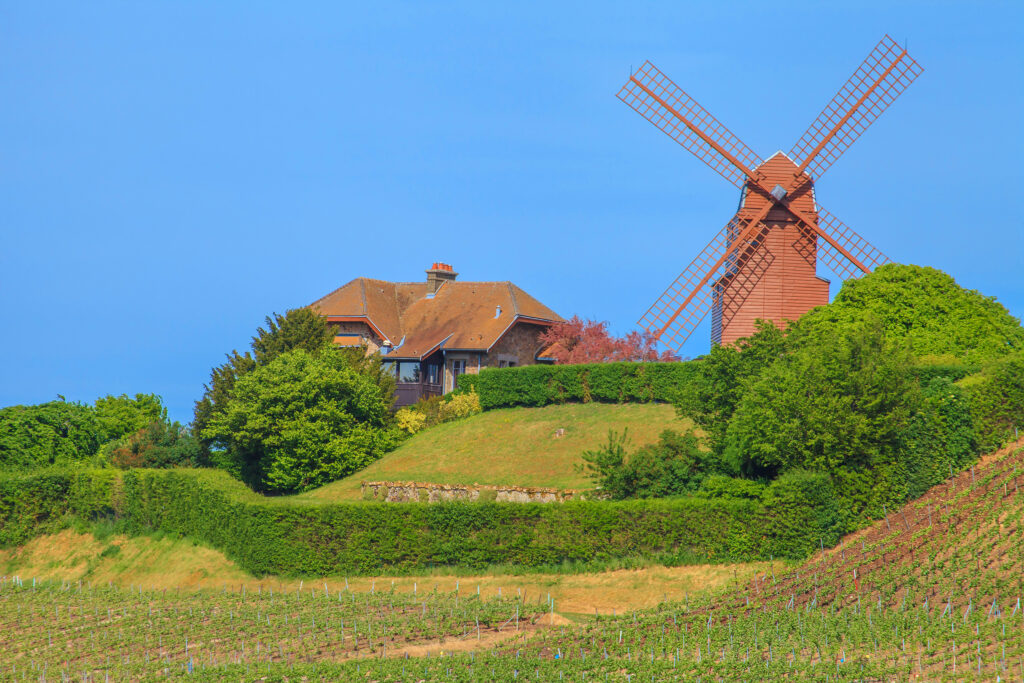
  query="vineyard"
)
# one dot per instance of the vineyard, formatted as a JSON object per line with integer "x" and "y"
{"x": 932, "y": 591}
{"x": 61, "y": 629}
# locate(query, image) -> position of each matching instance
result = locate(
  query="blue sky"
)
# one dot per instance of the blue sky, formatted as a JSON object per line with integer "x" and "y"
{"x": 170, "y": 173}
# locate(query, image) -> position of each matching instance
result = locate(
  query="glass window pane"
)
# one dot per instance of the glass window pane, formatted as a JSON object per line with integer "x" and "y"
{"x": 409, "y": 372}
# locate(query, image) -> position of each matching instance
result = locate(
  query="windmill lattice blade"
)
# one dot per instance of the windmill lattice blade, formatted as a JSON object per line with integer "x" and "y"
{"x": 663, "y": 106}
{"x": 687, "y": 301}
{"x": 858, "y": 247}
{"x": 876, "y": 84}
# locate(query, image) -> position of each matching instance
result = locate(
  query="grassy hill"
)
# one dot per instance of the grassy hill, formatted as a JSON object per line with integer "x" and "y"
{"x": 515, "y": 446}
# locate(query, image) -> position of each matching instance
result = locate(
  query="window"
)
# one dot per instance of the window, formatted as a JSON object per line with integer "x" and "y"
{"x": 389, "y": 367}
{"x": 506, "y": 363}
{"x": 433, "y": 374}
{"x": 409, "y": 372}
{"x": 458, "y": 368}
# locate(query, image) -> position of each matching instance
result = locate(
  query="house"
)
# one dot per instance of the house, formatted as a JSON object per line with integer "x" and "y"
{"x": 431, "y": 332}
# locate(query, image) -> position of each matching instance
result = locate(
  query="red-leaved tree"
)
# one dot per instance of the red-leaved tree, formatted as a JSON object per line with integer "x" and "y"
{"x": 588, "y": 341}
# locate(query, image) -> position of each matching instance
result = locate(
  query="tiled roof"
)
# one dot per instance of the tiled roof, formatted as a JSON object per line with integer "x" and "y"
{"x": 462, "y": 315}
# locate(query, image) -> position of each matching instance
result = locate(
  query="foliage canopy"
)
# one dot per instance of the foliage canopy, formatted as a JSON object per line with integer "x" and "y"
{"x": 298, "y": 328}
{"x": 903, "y": 378}
{"x": 302, "y": 420}
{"x": 62, "y": 433}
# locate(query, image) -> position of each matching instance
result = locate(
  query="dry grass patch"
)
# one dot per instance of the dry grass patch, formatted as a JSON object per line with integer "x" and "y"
{"x": 175, "y": 563}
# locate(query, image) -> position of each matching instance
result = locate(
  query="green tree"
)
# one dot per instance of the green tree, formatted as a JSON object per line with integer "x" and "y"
{"x": 54, "y": 433}
{"x": 121, "y": 415}
{"x": 303, "y": 420}
{"x": 723, "y": 377}
{"x": 841, "y": 408}
{"x": 923, "y": 307}
{"x": 298, "y": 328}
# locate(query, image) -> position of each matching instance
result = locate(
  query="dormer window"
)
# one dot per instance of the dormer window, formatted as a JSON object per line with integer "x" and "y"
{"x": 497, "y": 312}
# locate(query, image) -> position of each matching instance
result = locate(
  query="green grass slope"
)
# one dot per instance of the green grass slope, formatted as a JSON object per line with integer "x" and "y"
{"x": 513, "y": 446}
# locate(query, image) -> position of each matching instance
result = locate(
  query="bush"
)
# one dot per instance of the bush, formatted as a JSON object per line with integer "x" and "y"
{"x": 736, "y": 488}
{"x": 805, "y": 511}
{"x": 158, "y": 444}
{"x": 410, "y": 420}
{"x": 284, "y": 537}
{"x": 119, "y": 415}
{"x": 940, "y": 439}
{"x": 302, "y": 421}
{"x": 459, "y": 406}
{"x": 541, "y": 385}
{"x": 672, "y": 466}
{"x": 996, "y": 396}
{"x": 926, "y": 309}
{"x": 841, "y": 408}
{"x": 428, "y": 412}
{"x": 62, "y": 433}
{"x": 54, "y": 433}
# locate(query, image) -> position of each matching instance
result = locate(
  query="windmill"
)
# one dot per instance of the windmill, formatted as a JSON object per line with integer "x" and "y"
{"x": 763, "y": 262}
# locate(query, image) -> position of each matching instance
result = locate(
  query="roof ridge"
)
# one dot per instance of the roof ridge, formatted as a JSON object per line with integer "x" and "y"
{"x": 512, "y": 293}
{"x": 399, "y": 313}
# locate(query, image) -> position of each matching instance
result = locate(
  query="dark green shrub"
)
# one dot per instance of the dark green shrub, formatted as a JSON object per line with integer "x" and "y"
{"x": 736, "y": 488}
{"x": 303, "y": 420}
{"x": 279, "y": 536}
{"x": 940, "y": 439}
{"x": 923, "y": 309}
{"x": 541, "y": 385}
{"x": 996, "y": 396}
{"x": 803, "y": 512}
{"x": 673, "y": 466}
{"x": 54, "y": 433}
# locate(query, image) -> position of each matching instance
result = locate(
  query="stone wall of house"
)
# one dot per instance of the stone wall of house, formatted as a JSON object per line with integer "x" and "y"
{"x": 520, "y": 345}
{"x": 474, "y": 361}
{"x": 373, "y": 342}
{"x": 418, "y": 492}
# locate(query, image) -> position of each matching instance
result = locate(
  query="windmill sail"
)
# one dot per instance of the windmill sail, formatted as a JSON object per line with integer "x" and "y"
{"x": 876, "y": 84}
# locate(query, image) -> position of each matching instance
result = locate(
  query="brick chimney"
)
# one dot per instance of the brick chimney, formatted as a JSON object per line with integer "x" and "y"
{"x": 438, "y": 274}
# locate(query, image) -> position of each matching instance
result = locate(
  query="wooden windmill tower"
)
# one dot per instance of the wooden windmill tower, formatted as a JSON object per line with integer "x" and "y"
{"x": 763, "y": 262}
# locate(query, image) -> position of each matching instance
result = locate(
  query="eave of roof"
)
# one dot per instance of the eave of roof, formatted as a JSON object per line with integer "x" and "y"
{"x": 358, "y": 319}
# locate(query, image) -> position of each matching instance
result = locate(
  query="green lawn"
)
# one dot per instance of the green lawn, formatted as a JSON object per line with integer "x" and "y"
{"x": 514, "y": 446}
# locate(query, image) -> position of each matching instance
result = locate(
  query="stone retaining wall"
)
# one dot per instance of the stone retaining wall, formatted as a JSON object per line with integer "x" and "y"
{"x": 418, "y": 492}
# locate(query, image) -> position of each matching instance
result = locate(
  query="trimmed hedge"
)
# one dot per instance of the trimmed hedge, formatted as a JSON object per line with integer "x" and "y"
{"x": 541, "y": 385}
{"x": 279, "y": 536}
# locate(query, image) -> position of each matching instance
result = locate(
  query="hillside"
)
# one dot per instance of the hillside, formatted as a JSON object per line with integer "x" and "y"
{"x": 509, "y": 446}
{"x": 962, "y": 541}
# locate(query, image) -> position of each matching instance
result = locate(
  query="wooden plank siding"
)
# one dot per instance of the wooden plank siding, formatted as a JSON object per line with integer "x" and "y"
{"x": 778, "y": 281}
